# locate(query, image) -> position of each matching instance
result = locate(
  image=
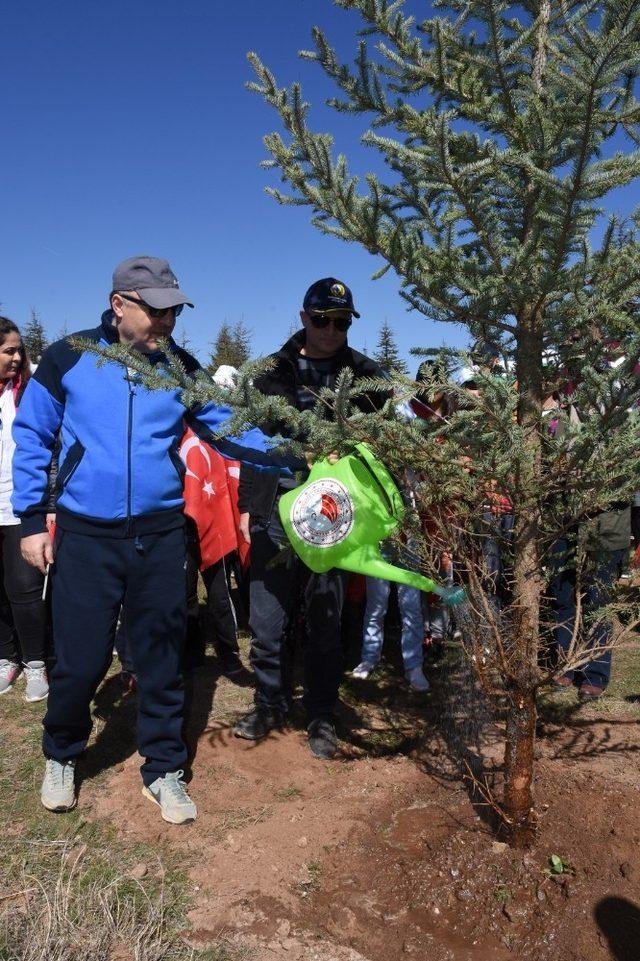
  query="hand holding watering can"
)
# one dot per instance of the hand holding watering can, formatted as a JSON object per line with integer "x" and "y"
{"x": 343, "y": 512}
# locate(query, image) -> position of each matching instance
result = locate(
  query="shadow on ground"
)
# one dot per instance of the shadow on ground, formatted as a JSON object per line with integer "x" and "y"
{"x": 115, "y": 711}
{"x": 619, "y": 921}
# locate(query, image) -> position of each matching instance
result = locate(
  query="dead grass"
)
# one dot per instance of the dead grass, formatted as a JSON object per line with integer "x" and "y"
{"x": 71, "y": 902}
{"x": 621, "y": 699}
{"x": 70, "y": 890}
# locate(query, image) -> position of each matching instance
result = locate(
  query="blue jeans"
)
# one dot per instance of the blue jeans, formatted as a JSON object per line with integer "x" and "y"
{"x": 597, "y": 594}
{"x": 437, "y": 616}
{"x": 410, "y": 604}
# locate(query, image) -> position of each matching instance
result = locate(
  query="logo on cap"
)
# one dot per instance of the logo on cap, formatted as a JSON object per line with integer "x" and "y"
{"x": 338, "y": 290}
{"x": 322, "y": 514}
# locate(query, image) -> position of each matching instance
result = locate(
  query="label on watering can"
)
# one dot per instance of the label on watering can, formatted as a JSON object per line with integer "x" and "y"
{"x": 322, "y": 514}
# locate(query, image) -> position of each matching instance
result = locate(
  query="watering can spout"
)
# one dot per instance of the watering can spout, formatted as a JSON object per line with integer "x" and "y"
{"x": 376, "y": 566}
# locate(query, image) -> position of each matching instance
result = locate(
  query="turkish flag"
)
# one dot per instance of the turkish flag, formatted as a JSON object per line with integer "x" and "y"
{"x": 233, "y": 483}
{"x": 211, "y": 499}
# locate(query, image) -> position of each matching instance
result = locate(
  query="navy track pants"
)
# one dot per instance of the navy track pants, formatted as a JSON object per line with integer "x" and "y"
{"x": 92, "y": 578}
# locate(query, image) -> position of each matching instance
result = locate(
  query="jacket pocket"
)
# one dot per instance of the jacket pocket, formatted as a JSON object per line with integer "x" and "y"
{"x": 69, "y": 466}
{"x": 178, "y": 463}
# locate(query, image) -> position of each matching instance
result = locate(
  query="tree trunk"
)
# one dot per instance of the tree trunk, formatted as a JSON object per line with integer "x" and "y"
{"x": 527, "y": 589}
{"x": 518, "y": 762}
{"x": 521, "y": 698}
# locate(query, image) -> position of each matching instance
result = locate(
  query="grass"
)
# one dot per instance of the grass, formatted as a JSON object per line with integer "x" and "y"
{"x": 68, "y": 888}
{"x": 67, "y": 893}
{"x": 288, "y": 793}
{"x": 311, "y": 878}
{"x": 225, "y": 952}
{"x": 621, "y": 699}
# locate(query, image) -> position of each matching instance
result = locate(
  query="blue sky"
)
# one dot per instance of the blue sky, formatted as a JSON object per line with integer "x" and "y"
{"x": 127, "y": 129}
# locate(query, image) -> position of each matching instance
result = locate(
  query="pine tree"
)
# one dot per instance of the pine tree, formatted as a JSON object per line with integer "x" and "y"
{"x": 63, "y": 332}
{"x": 497, "y": 121}
{"x": 34, "y": 338}
{"x": 231, "y": 347}
{"x": 182, "y": 339}
{"x": 241, "y": 336}
{"x": 223, "y": 348}
{"x": 387, "y": 354}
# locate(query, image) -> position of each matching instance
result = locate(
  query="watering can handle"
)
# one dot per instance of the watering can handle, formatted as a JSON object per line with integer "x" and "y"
{"x": 383, "y": 479}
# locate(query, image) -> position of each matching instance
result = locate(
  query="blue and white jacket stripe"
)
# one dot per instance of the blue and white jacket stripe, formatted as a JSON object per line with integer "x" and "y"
{"x": 120, "y": 472}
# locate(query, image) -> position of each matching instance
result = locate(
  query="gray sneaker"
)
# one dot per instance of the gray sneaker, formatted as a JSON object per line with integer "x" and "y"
{"x": 9, "y": 671}
{"x": 170, "y": 793}
{"x": 58, "y": 788}
{"x": 37, "y": 681}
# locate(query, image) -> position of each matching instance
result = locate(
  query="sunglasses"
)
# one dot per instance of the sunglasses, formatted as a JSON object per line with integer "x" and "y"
{"x": 321, "y": 321}
{"x": 154, "y": 312}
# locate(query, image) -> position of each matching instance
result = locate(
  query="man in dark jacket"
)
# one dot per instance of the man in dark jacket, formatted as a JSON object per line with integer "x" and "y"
{"x": 120, "y": 538}
{"x": 309, "y": 361}
{"x": 605, "y": 541}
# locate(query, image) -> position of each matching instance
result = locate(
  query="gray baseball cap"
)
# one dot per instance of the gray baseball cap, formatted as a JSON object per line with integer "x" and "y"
{"x": 153, "y": 279}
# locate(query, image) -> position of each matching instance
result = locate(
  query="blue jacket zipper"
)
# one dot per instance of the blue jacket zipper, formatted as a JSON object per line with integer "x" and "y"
{"x": 129, "y": 433}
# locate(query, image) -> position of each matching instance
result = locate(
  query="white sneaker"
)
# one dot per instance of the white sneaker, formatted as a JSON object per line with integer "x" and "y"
{"x": 363, "y": 670}
{"x": 170, "y": 793}
{"x": 417, "y": 680}
{"x": 9, "y": 671}
{"x": 37, "y": 681}
{"x": 58, "y": 791}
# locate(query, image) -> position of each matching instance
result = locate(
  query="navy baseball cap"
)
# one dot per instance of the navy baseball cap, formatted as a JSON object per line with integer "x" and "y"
{"x": 153, "y": 279}
{"x": 328, "y": 294}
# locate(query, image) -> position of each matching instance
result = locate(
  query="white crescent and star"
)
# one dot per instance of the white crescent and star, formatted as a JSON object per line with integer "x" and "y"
{"x": 186, "y": 448}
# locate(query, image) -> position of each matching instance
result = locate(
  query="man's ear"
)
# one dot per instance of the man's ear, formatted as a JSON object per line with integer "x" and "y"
{"x": 116, "y": 305}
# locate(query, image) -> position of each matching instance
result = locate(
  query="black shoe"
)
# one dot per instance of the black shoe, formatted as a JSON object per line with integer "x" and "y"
{"x": 323, "y": 740}
{"x": 259, "y": 722}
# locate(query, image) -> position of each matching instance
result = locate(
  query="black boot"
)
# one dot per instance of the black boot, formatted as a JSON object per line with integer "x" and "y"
{"x": 323, "y": 740}
{"x": 259, "y": 722}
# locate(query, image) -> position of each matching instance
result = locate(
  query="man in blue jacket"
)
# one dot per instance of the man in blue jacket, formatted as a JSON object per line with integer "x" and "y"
{"x": 120, "y": 537}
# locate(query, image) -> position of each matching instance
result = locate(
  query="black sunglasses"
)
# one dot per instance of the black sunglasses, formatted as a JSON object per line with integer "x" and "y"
{"x": 155, "y": 312}
{"x": 321, "y": 321}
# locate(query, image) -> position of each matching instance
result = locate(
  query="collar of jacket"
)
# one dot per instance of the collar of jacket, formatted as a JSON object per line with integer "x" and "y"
{"x": 109, "y": 329}
{"x": 345, "y": 357}
{"x": 110, "y": 332}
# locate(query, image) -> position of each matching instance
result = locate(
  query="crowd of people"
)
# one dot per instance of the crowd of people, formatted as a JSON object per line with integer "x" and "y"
{"x": 98, "y": 500}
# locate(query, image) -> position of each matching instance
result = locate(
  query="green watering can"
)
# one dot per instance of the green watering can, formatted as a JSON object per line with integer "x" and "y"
{"x": 342, "y": 513}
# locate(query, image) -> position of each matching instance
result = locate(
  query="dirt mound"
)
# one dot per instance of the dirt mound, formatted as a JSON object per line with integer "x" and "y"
{"x": 388, "y": 852}
{"x": 378, "y": 859}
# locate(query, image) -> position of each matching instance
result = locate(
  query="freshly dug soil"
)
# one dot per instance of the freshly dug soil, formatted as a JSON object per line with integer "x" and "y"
{"x": 384, "y": 856}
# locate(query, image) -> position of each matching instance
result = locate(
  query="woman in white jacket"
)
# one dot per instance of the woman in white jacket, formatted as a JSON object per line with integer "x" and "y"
{"x": 23, "y": 611}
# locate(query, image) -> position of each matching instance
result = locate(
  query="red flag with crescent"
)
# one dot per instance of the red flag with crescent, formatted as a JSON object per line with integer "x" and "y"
{"x": 211, "y": 499}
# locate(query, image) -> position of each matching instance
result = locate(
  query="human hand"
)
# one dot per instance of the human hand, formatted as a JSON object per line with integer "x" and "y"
{"x": 245, "y": 520}
{"x": 37, "y": 550}
{"x": 331, "y": 458}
